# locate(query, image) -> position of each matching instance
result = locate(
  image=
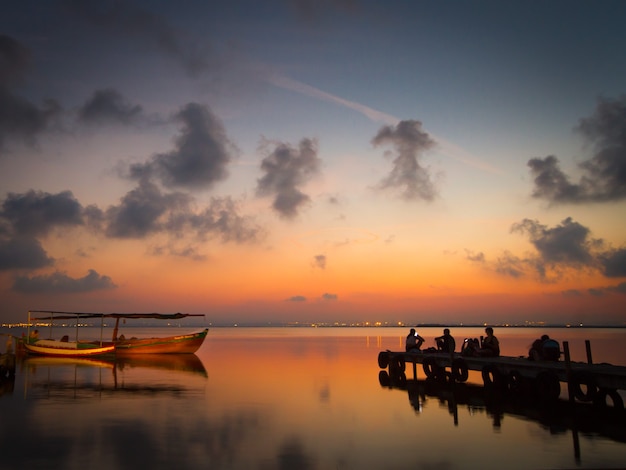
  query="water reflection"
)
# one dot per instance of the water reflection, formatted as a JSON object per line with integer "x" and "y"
{"x": 276, "y": 399}
{"x": 136, "y": 374}
{"x": 558, "y": 417}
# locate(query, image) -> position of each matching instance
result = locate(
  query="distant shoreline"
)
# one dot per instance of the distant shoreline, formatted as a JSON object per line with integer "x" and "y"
{"x": 314, "y": 325}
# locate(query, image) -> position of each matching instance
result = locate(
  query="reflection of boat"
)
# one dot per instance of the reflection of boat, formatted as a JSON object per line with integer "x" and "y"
{"x": 51, "y": 347}
{"x": 177, "y": 344}
{"x": 36, "y": 361}
{"x": 88, "y": 377}
{"x": 175, "y": 362}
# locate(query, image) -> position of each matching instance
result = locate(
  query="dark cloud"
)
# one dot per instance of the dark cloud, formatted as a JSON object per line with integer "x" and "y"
{"x": 14, "y": 61}
{"x": 407, "y": 175}
{"x": 108, "y": 106}
{"x": 147, "y": 211}
{"x": 297, "y": 298}
{"x": 319, "y": 261}
{"x": 618, "y": 289}
{"x": 201, "y": 155}
{"x": 286, "y": 170}
{"x": 614, "y": 263}
{"x": 568, "y": 243}
{"x": 475, "y": 257}
{"x": 35, "y": 213}
{"x": 20, "y": 120}
{"x": 604, "y": 175}
{"x": 125, "y": 18}
{"x": 143, "y": 211}
{"x": 510, "y": 265}
{"x": 61, "y": 283}
{"x": 567, "y": 246}
{"x": 328, "y": 296}
{"x": 221, "y": 217}
{"x": 23, "y": 253}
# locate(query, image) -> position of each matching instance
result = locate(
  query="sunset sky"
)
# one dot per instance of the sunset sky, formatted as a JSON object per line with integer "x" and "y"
{"x": 315, "y": 160}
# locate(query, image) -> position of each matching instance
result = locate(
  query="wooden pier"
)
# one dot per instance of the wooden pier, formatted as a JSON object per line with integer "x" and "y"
{"x": 586, "y": 382}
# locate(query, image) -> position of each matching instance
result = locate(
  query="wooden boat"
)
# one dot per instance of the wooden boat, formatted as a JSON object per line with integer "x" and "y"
{"x": 180, "y": 344}
{"x": 51, "y": 347}
{"x": 176, "y": 344}
{"x": 63, "y": 347}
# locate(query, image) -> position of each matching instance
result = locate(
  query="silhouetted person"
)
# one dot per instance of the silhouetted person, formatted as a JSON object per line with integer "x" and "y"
{"x": 490, "y": 346}
{"x": 445, "y": 343}
{"x": 544, "y": 349}
{"x": 413, "y": 341}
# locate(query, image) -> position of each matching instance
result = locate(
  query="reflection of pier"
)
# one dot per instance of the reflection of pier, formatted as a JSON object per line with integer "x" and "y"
{"x": 558, "y": 416}
{"x": 587, "y": 382}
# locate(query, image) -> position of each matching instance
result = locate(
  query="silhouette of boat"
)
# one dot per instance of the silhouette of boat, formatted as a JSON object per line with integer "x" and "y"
{"x": 176, "y": 344}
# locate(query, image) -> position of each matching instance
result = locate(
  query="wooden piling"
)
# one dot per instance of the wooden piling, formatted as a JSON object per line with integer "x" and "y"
{"x": 588, "y": 348}
{"x": 568, "y": 371}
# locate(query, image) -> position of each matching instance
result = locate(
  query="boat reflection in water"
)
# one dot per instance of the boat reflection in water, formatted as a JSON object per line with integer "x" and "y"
{"x": 558, "y": 416}
{"x": 80, "y": 376}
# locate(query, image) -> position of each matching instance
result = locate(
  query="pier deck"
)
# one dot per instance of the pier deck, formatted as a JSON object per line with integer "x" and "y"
{"x": 586, "y": 381}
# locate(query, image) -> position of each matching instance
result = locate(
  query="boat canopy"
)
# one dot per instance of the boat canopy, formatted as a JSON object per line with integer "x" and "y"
{"x": 57, "y": 315}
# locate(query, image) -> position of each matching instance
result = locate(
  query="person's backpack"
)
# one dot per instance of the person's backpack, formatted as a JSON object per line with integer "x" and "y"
{"x": 550, "y": 350}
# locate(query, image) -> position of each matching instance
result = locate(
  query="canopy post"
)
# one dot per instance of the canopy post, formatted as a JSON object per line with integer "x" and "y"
{"x": 117, "y": 322}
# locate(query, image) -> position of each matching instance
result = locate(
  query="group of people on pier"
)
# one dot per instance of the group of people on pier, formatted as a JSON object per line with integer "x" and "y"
{"x": 544, "y": 348}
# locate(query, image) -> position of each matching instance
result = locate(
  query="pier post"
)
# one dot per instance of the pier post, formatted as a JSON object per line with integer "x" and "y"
{"x": 568, "y": 370}
{"x": 588, "y": 348}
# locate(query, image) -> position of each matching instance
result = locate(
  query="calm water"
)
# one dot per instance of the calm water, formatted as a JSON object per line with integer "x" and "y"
{"x": 283, "y": 398}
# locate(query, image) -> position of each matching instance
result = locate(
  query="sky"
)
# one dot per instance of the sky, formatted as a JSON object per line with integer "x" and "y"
{"x": 315, "y": 161}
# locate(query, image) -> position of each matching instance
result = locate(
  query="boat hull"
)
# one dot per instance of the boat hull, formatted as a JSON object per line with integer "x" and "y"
{"x": 67, "y": 349}
{"x": 183, "y": 344}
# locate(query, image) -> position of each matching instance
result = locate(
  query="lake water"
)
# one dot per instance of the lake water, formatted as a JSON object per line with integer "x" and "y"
{"x": 296, "y": 398}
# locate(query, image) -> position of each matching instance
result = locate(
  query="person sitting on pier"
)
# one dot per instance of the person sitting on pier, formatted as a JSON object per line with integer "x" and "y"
{"x": 490, "y": 346}
{"x": 544, "y": 349}
{"x": 413, "y": 341}
{"x": 445, "y": 343}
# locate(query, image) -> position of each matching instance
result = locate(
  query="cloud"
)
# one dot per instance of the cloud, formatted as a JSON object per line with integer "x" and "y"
{"x": 475, "y": 257}
{"x": 200, "y": 157}
{"x": 35, "y": 213}
{"x": 614, "y": 262}
{"x": 23, "y": 253}
{"x": 619, "y": 289}
{"x": 142, "y": 210}
{"x": 131, "y": 21}
{"x": 146, "y": 211}
{"x": 328, "y": 296}
{"x": 568, "y": 243}
{"x": 61, "y": 283}
{"x": 287, "y": 83}
{"x": 510, "y": 265}
{"x": 20, "y": 120}
{"x": 567, "y": 246}
{"x": 108, "y": 106}
{"x": 407, "y": 176}
{"x": 447, "y": 148}
{"x": 296, "y": 298}
{"x": 286, "y": 170}
{"x": 221, "y": 218}
{"x": 319, "y": 261}
{"x": 604, "y": 175}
